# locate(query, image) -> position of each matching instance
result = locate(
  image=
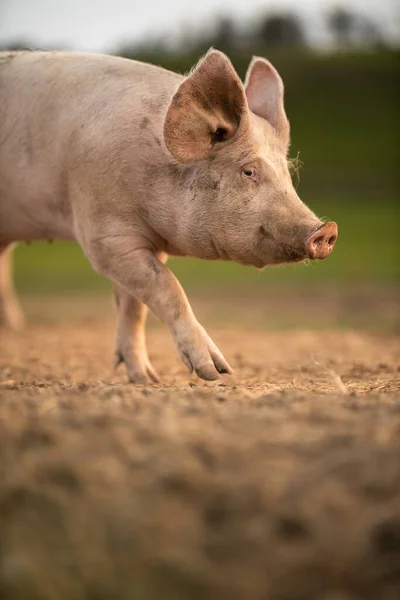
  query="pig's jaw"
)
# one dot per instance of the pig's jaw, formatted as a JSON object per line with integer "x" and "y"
{"x": 285, "y": 255}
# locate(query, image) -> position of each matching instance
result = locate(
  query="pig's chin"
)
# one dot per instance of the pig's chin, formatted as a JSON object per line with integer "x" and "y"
{"x": 283, "y": 257}
{"x": 278, "y": 256}
{"x": 291, "y": 256}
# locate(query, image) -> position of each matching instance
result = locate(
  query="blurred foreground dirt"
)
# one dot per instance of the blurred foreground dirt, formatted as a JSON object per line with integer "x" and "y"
{"x": 280, "y": 483}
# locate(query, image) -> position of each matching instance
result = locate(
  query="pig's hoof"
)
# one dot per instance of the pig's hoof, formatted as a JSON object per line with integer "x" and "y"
{"x": 207, "y": 372}
{"x": 142, "y": 372}
{"x": 143, "y": 378}
{"x": 207, "y": 363}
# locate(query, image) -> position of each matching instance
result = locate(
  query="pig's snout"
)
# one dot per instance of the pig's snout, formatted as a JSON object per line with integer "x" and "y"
{"x": 320, "y": 243}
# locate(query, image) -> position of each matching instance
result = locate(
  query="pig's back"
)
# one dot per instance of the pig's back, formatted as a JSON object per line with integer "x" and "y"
{"x": 59, "y": 88}
{"x": 82, "y": 69}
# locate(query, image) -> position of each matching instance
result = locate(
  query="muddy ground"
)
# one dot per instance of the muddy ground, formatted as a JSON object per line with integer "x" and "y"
{"x": 281, "y": 483}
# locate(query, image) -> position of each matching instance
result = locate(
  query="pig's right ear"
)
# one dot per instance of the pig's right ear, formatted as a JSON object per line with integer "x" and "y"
{"x": 206, "y": 110}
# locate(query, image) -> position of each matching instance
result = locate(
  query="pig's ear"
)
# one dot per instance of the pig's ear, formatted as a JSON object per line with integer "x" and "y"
{"x": 206, "y": 110}
{"x": 264, "y": 91}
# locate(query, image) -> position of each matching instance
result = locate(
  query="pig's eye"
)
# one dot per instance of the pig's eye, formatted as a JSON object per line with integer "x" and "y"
{"x": 250, "y": 173}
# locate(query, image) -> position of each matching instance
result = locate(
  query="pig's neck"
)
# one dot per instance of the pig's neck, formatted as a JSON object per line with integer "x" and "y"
{"x": 173, "y": 210}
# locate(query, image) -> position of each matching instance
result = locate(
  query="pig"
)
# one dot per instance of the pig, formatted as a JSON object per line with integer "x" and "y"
{"x": 137, "y": 163}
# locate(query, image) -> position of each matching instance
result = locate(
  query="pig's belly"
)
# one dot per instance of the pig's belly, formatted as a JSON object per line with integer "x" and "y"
{"x": 33, "y": 217}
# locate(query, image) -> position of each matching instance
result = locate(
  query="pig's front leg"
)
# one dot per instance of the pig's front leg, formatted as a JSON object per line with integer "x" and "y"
{"x": 141, "y": 274}
{"x": 130, "y": 347}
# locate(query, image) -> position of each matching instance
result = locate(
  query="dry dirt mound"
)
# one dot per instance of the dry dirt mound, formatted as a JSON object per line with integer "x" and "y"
{"x": 283, "y": 483}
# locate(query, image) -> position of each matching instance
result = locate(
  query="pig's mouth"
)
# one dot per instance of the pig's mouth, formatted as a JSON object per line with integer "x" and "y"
{"x": 284, "y": 253}
{"x": 293, "y": 256}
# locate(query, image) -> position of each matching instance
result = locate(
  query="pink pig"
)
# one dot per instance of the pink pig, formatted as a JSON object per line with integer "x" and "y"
{"x": 136, "y": 163}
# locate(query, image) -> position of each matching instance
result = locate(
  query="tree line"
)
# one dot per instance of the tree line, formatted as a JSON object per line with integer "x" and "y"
{"x": 343, "y": 28}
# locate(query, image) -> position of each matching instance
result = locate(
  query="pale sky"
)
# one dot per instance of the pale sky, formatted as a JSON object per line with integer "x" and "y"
{"x": 100, "y": 25}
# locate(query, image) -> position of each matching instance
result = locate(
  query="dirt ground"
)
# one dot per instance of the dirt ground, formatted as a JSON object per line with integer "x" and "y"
{"x": 280, "y": 483}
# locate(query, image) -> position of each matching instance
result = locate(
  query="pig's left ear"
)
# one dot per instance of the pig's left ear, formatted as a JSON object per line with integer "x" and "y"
{"x": 206, "y": 110}
{"x": 264, "y": 91}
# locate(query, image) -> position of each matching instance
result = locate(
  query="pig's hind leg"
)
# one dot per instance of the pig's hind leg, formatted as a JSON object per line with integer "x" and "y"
{"x": 11, "y": 314}
{"x": 130, "y": 345}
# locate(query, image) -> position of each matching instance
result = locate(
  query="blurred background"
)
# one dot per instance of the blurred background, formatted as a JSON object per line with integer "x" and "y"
{"x": 340, "y": 66}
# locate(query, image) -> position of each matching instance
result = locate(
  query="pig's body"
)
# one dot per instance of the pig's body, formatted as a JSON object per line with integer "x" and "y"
{"x": 135, "y": 163}
{"x": 62, "y": 110}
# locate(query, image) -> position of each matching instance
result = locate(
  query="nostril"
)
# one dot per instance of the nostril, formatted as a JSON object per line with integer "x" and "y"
{"x": 319, "y": 240}
{"x": 332, "y": 240}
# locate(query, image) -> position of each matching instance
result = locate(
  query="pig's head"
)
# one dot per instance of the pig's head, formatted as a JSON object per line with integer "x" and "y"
{"x": 231, "y": 142}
